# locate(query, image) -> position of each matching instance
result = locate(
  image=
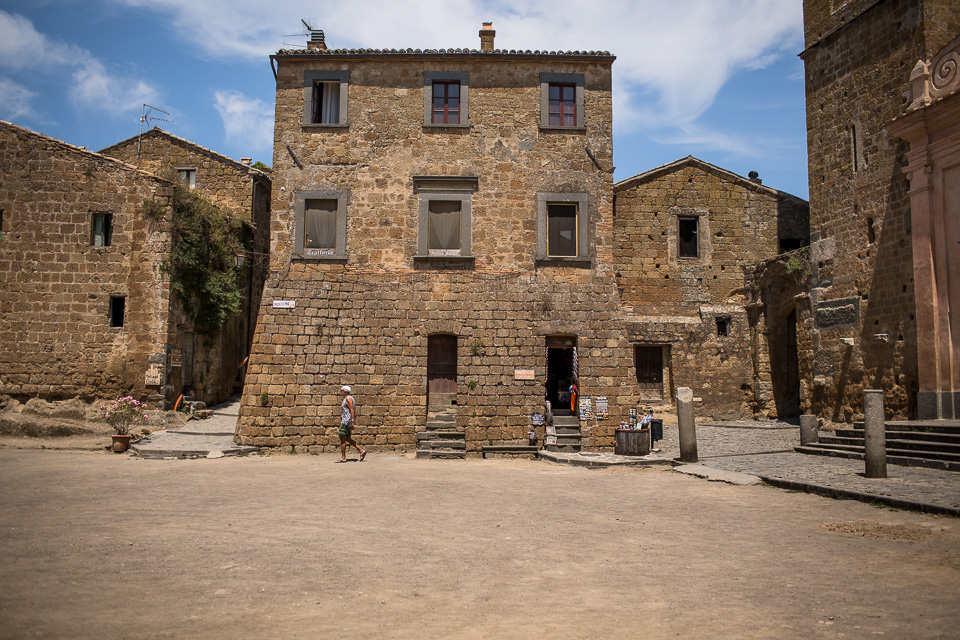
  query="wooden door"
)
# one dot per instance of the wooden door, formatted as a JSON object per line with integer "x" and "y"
{"x": 649, "y": 365}
{"x": 441, "y": 370}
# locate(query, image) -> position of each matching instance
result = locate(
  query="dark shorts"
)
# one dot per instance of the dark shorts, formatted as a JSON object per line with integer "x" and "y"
{"x": 345, "y": 430}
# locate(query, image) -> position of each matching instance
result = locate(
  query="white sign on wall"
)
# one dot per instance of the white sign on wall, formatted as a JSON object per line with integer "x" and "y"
{"x": 284, "y": 304}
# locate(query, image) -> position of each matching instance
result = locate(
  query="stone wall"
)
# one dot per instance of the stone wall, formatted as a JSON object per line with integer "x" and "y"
{"x": 697, "y": 305}
{"x": 364, "y": 318}
{"x": 858, "y": 63}
{"x": 55, "y": 288}
{"x": 217, "y": 372}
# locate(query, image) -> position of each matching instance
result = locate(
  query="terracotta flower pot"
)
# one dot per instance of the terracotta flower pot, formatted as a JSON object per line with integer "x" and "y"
{"x": 121, "y": 443}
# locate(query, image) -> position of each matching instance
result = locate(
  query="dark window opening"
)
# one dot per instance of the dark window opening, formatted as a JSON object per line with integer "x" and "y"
{"x": 563, "y": 105}
{"x": 320, "y": 224}
{"x": 326, "y": 103}
{"x": 871, "y": 232}
{"x": 189, "y": 176}
{"x": 562, "y": 229}
{"x": 101, "y": 230}
{"x": 790, "y": 244}
{"x": 853, "y": 147}
{"x": 446, "y": 103}
{"x": 1, "y": 224}
{"x": 723, "y": 326}
{"x": 687, "y": 231}
{"x": 117, "y": 309}
{"x": 443, "y": 222}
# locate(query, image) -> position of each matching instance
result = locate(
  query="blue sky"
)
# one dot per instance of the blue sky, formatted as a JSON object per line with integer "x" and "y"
{"x": 716, "y": 79}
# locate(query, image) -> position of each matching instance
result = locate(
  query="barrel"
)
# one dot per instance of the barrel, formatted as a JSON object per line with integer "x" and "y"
{"x": 632, "y": 442}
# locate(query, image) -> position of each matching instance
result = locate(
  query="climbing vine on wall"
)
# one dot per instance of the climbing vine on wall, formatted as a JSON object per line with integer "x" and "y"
{"x": 202, "y": 270}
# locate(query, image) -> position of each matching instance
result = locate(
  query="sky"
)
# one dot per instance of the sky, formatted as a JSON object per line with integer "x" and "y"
{"x": 716, "y": 79}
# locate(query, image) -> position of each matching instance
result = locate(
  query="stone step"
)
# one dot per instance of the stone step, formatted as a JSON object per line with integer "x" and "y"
{"x": 441, "y": 454}
{"x": 441, "y": 435}
{"x": 563, "y": 448}
{"x": 929, "y": 426}
{"x": 515, "y": 449}
{"x": 894, "y": 448}
{"x": 567, "y": 431}
{"x": 566, "y": 421}
{"x": 896, "y": 434}
{"x": 892, "y": 458}
{"x": 441, "y": 444}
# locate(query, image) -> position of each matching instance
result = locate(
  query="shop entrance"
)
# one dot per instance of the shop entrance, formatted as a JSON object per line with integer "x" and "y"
{"x": 561, "y": 373}
{"x": 648, "y": 361}
{"x": 441, "y": 371}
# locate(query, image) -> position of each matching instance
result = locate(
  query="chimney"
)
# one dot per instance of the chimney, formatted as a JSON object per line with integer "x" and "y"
{"x": 317, "y": 41}
{"x": 246, "y": 161}
{"x": 487, "y": 34}
{"x": 755, "y": 177}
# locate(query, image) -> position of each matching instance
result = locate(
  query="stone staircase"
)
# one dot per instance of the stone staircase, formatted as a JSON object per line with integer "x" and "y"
{"x": 568, "y": 434}
{"x": 440, "y": 438}
{"x": 917, "y": 443}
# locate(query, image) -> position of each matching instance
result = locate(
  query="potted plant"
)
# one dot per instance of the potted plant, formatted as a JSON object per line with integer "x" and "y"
{"x": 121, "y": 415}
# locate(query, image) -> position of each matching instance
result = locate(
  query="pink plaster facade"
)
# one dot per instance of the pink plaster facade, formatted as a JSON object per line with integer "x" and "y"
{"x": 931, "y": 126}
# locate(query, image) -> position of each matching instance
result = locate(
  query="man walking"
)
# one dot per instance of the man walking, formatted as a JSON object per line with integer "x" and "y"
{"x": 347, "y": 416}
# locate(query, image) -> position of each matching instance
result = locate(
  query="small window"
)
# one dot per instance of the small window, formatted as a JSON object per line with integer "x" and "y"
{"x": 687, "y": 238}
{"x": 189, "y": 176}
{"x": 561, "y": 230}
{"x": 1, "y": 224}
{"x": 446, "y": 103}
{"x": 117, "y": 309}
{"x": 325, "y": 98}
{"x": 723, "y": 326}
{"x": 444, "y": 227}
{"x": 446, "y": 98}
{"x": 101, "y": 230}
{"x": 563, "y": 105}
{"x": 326, "y": 103}
{"x": 561, "y": 100}
{"x": 320, "y": 224}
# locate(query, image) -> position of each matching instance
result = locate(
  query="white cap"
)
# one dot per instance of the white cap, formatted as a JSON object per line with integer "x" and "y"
{"x": 346, "y": 388}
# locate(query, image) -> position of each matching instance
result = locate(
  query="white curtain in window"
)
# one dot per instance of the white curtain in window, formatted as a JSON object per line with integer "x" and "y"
{"x": 99, "y": 230}
{"x": 320, "y": 224}
{"x": 330, "y": 105}
{"x": 444, "y": 225}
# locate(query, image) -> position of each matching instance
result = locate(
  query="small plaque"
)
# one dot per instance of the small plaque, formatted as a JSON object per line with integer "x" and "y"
{"x": 176, "y": 358}
{"x": 152, "y": 378}
{"x": 315, "y": 253}
{"x": 536, "y": 419}
{"x": 550, "y": 440}
{"x": 523, "y": 374}
{"x": 551, "y": 431}
{"x": 284, "y": 304}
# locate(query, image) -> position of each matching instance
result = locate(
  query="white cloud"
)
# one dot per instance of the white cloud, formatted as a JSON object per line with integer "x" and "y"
{"x": 92, "y": 85}
{"x": 95, "y": 88}
{"x": 14, "y": 100}
{"x": 246, "y": 121}
{"x": 673, "y": 57}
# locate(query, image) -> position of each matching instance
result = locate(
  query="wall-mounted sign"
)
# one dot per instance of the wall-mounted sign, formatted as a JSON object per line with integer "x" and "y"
{"x": 602, "y": 407}
{"x": 153, "y": 375}
{"x": 320, "y": 252}
{"x": 523, "y": 374}
{"x": 550, "y": 440}
{"x": 536, "y": 419}
{"x": 176, "y": 357}
{"x": 284, "y": 304}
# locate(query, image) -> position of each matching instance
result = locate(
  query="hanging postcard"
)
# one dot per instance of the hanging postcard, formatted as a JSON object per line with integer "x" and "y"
{"x": 602, "y": 407}
{"x": 586, "y": 409}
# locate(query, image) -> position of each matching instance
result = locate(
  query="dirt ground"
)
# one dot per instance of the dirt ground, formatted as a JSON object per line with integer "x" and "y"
{"x": 98, "y": 545}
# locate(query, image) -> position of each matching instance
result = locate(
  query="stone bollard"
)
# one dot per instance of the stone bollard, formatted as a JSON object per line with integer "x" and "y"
{"x": 687, "y": 425}
{"x": 874, "y": 436}
{"x": 809, "y": 430}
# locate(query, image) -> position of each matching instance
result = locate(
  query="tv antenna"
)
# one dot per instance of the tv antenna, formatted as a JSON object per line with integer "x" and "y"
{"x": 307, "y": 32}
{"x": 146, "y": 116}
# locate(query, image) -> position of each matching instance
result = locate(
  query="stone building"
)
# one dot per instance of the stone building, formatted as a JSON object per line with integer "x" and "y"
{"x": 858, "y": 325}
{"x": 442, "y": 241}
{"x": 687, "y": 238}
{"x": 81, "y": 294}
{"x": 86, "y": 308}
{"x": 213, "y": 369}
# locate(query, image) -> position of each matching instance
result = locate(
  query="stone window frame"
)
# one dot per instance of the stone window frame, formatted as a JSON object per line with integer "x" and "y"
{"x": 582, "y": 200}
{"x": 463, "y": 77}
{"x": 188, "y": 175}
{"x": 445, "y": 188}
{"x": 546, "y": 79}
{"x": 342, "y": 196}
{"x": 724, "y": 326}
{"x": 108, "y": 229}
{"x": 696, "y": 218}
{"x": 310, "y": 80}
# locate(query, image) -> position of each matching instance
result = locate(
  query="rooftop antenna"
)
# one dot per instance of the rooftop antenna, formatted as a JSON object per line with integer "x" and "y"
{"x": 308, "y": 30}
{"x": 145, "y": 116}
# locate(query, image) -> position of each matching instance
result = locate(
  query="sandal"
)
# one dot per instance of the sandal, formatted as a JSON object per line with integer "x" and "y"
{"x": 363, "y": 455}
{"x": 339, "y": 461}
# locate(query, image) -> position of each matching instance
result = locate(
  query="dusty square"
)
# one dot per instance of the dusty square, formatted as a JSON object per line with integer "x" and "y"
{"x": 106, "y": 546}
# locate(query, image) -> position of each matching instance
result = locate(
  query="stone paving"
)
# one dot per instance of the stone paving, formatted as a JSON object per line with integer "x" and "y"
{"x": 210, "y": 438}
{"x": 766, "y": 450}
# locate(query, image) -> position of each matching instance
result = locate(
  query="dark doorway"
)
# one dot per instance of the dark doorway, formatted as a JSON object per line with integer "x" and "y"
{"x": 441, "y": 371}
{"x": 784, "y": 362}
{"x": 561, "y": 374}
{"x": 648, "y": 361}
